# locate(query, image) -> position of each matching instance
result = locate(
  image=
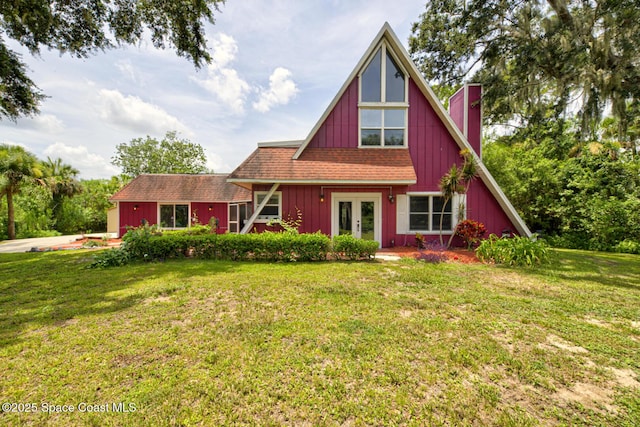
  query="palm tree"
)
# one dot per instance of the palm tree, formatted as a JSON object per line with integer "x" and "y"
{"x": 449, "y": 185}
{"x": 17, "y": 166}
{"x": 457, "y": 181}
{"x": 61, "y": 180}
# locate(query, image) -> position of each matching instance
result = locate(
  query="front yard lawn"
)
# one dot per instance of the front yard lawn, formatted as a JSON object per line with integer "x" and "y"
{"x": 191, "y": 342}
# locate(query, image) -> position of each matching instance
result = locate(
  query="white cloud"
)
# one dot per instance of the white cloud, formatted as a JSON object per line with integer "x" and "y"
{"x": 225, "y": 49}
{"x": 89, "y": 164}
{"x": 281, "y": 90}
{"x": 133, "y": 113}
{"x": 222, "y": 81}
{"x": 47, "y": 123}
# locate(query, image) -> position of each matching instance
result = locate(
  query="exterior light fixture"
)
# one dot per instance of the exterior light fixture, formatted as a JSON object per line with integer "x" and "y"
{"x": 391, "y": 198}
{"x": 321, "y": 197}
{"x": 210, "y": 208}
{"x": 135, "y": 207}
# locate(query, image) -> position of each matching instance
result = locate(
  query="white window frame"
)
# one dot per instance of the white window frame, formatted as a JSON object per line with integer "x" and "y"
{"x": 239, "y": 221}
{"x": 267, "y": 218}
{"x": 383, "y": 105}
{"x": 435, "y": 228}
{"x": 174, "y": 204}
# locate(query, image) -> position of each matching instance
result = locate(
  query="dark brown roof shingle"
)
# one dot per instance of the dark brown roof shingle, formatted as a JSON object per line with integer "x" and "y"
{"x": 180, "y": 187}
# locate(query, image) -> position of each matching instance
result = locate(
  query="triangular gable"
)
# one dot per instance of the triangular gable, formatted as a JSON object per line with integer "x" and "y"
{"x": 387, "y": 34}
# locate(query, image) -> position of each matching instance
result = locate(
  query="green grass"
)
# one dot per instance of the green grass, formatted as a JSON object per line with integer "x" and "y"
{"x": 381, "y": 343}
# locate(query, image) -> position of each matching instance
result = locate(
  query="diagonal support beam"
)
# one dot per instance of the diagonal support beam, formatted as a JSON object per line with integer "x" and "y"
{"x": 258, "y": 209}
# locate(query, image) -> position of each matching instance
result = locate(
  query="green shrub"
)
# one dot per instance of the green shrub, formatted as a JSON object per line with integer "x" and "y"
{"x": 349, "y": 247}
{"x": 114, "y": 257}
{"x": 627, "y": 247}
{"x": 146, "y": 243}
{"x": 136, "y": 241}
{"x": 513, "y": 251}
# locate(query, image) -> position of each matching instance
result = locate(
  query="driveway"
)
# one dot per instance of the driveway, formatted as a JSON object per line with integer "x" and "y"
{"x": 40, "y": 243}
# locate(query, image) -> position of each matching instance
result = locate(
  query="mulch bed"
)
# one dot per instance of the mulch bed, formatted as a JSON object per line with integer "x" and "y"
{"x": 84, "y": 243}
{"x": 460, "y": 255}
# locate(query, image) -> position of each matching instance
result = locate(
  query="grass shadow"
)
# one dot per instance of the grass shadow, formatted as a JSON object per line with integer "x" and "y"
{"x": 39, "y": 289}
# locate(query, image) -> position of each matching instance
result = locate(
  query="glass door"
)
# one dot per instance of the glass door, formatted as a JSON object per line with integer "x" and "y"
{"x": 367, "y": 219}
{"x": 357, "y": 214}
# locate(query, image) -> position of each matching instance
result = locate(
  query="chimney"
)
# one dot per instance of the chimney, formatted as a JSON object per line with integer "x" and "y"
{"x": 465, "y": 108}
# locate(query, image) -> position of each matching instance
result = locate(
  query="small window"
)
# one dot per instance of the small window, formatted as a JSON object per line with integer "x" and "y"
{"x": 425, "y": 213}
{"x": 382, "y": 127}
{"x": 272, "y": 208}
{"x": 174, "y": 216}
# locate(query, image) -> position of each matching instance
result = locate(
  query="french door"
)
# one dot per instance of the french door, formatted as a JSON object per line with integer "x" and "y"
{"x": 357, "y": 214}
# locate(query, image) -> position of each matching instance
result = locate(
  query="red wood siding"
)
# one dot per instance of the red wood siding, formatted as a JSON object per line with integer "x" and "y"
{"x": 474, "y": 117}
{"x": 432, "y": 148}
{"x": 472, "y": 107}
{"x": 316, "y": 215}
{"x": 218, "y": 210}
{"x": 483, "y": 207}
{"x": 340, "y": 129}
{"x": 130, "y": 217}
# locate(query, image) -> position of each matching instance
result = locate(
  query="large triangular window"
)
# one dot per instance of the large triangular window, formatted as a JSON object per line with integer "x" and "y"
{"x": 383, "y": 102}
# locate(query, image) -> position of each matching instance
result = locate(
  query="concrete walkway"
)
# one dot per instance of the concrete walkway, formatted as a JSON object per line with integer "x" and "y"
{"x": 41, "y": 243}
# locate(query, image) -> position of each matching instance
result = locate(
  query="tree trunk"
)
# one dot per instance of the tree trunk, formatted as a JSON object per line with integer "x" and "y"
{"x": 11, "y": 223}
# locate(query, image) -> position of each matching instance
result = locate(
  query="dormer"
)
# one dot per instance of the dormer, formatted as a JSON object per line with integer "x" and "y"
{"x": 383, "y": 95}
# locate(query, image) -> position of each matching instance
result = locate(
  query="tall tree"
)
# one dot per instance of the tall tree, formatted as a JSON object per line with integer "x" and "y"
{"x": 16, "y": 167}
{"x": 60, "y": 179}
{"x": 170, "y": 155}
{"x": 536, "y": 57}
{"x": 83, "y": 27}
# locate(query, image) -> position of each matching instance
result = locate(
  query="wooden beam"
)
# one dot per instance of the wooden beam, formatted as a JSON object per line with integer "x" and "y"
{"x": 258, "y": 209}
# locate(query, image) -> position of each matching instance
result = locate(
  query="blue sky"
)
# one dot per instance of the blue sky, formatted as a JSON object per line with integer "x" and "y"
{"x": 276, "y": 67}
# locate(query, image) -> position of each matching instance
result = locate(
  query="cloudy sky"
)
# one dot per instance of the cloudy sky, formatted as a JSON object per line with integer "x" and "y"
{"x": 276, "y": 67}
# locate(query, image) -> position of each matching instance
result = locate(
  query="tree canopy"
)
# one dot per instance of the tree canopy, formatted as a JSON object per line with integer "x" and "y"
{"x": 17, "y": 166}
{"x": 170, "y": 155}
{"x": 83, "y": 27}
{"x": 536, "y": 58}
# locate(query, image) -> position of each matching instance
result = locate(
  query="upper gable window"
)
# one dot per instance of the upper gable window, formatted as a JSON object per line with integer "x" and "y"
{"x": 383, "y": 106}
{"x": 382, "y": 82}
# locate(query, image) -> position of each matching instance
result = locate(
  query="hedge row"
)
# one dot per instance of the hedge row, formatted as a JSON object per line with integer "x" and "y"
{"x": 144, "y": 243}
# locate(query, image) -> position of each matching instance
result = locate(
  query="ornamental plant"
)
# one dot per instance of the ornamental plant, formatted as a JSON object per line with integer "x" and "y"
{"x": 471, "y": 232}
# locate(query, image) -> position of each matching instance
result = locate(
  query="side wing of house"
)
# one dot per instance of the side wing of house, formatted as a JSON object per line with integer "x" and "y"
{"x": 371, "y": 165}
{"x": 176, "y": 201}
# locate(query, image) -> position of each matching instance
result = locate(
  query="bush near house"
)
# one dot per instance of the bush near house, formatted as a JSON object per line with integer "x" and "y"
{"x": 513, "y": 251}
{"x": 147, "y": 243}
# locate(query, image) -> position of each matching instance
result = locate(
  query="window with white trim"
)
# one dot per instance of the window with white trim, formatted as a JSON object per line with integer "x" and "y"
{"x": 425, "y": 212}
{"x": 174, "y": 216}
{"x": 272, "y": 209}
{"x": 383, "y": 102}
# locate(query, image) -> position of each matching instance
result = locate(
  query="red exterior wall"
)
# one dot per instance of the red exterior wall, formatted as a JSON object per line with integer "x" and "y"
{"x": 218, "y": 210}
{"x": 483, "y": 207}
{"x": 474, "y": 117}
{"x": 130, "y": 217}
{"x": 473, "y": 109}
{"x": 340, "y": 129}
{"x": 432, "y": 148}
{"x": 316, "y": 215}
{"x": 149, "y": 211}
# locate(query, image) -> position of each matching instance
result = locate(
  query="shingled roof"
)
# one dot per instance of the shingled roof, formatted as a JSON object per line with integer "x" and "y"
{"x": 326, "y": 165}
{"x": 182, "y": 187}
